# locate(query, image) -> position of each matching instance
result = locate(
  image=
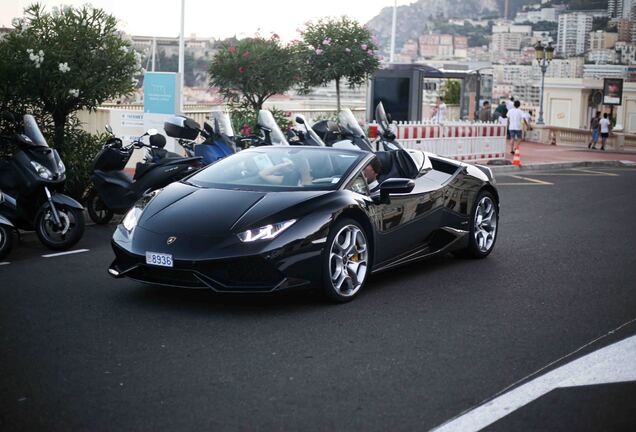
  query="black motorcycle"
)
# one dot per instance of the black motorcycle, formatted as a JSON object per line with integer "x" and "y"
{"x": 32, "y": 181}
{"x": 113, "y": 191}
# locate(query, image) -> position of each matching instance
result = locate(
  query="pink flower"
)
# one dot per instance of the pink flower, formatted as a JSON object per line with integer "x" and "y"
{"x": 348, "y": 50}
{"x": 370, "y": 52}
{"x": 364, "y": 47}
{"x": 232, "y": 49}
{"x": 246, "y": 54}
{"x": 241, "y": 69}
{"x": 327, "y": 41}
{"x": 319, "y": 51}
{"x": 275, "y": 36}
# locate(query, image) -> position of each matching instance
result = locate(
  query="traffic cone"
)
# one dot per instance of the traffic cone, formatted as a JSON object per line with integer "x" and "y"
{"x": 516, "y": 160}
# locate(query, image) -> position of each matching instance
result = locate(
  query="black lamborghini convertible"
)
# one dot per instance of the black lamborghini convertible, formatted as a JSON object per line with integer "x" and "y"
{"x": 279, "y": 217}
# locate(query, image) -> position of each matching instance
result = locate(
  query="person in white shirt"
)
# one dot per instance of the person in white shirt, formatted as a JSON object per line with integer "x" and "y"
{"x": 516, "y": 118}
{"x": 605, "y": 126}
{"x": 440, "y": 115}
{"x": 510, "y": 104}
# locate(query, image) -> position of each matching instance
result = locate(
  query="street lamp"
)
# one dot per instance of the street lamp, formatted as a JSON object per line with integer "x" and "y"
{"x": 544, "y": 55}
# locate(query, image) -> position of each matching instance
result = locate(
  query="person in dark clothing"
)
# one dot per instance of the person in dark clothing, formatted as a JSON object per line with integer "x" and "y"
{"x": 595, "y": 128}
{"x": 484, "y": 113}
{"x": 371, "y": 172}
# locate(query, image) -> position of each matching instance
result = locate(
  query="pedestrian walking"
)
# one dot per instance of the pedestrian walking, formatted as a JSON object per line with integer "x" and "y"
{"x": 527, "y": 124}
{"x": 515, "y": 122}
{"x": 440, "y": 114}
{"x": 484, "y": 113}
{"x": 511, "y": 103}
{"x": 606, "y": 127}
{"x": 595, "y": 128}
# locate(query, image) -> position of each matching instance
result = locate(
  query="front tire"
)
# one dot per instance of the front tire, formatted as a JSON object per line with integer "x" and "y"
{"x": 97, "y": 210}
{"x": 346, "y": 261}
{"x": 6, "y": 241}
{"x": 60, "y": 237}
{"x": 484, "y": 224}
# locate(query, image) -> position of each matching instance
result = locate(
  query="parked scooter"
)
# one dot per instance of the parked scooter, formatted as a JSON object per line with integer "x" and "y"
{"x": 218, "y": 139}
{"x": 114, "y": 192}
{"x": 386, "y": 139}
{"x": 31, "y": 199}
{"x": 305, "y": 136}
{"x": 6, "y": 233}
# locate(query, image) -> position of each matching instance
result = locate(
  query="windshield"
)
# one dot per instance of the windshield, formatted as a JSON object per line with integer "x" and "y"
{"x": 32, "y": 130}
{"x": 349, "y": 123}
{"x": 381, "y": 117}
{"x": 222, "y": 123}
{"x": 266, "y": 121}
{"x": 280, "y": 168}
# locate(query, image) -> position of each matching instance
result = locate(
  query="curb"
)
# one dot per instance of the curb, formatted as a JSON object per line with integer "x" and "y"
{"x": 506, "y": 169}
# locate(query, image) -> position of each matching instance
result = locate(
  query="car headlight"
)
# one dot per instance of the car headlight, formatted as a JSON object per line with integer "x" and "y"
{"x": 42, "y": 171}
{"x": 61, "y": 167}
{"x": 266, "y": 232}
{"x": 133, "y": 215}
{"x": 131, "y": 218}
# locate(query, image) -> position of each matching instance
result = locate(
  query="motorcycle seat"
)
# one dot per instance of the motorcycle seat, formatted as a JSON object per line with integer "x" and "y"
{"x": 119, "y": 178}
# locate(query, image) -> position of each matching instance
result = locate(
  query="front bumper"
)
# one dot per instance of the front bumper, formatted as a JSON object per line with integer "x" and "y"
{"x": 290, "y": 266}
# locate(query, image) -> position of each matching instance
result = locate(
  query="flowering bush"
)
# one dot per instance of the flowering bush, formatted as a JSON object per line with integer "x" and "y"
{"x": 252, "y": 70}
{"x": 63, "y": 61}
{"x": 337, "y": 49}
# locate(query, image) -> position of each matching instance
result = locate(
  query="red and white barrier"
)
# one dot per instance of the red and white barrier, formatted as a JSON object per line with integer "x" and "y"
{"x": 456, "y": 140}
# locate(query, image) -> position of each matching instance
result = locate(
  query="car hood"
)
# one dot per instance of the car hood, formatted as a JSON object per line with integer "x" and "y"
{"x": 185, "y": 209}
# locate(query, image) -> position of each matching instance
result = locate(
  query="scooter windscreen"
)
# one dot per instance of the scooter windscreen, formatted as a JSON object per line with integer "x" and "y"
{"x": 381, "y": 117}
{"x": 312, "y": 138}
{"x": 266, "y": 122}
{"x": 222, "y": 123}
{"x": 349, "y": 123}
{"x": 32, "y": 130}
{"x": 351, "y": 127}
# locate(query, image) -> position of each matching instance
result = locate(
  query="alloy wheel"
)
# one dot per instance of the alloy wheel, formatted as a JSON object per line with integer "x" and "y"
{"x": 348, "y": 260}
{"x": 485, "y": 224}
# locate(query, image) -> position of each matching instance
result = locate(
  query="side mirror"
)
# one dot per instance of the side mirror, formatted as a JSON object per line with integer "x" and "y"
{"x": 109, "y": 129}
{"x": 152, "y": 132}
{"x": 395, "y": 186}
{"x": 300, "y": 120}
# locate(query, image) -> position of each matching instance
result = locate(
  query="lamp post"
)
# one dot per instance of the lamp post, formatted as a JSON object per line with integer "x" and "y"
{"x": 544, "y": 55}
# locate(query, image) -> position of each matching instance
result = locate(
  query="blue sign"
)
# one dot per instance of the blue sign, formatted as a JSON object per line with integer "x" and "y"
{"x": 160, "y": 92}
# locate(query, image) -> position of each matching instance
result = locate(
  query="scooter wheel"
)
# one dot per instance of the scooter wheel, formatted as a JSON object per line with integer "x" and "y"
{"x": 6, "y": 241}
{"x": 97, "y": 210}
{"x": 64, "y": 235}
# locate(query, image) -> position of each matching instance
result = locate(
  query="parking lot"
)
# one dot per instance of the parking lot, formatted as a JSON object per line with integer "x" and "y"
{"x": 420, "y": 346}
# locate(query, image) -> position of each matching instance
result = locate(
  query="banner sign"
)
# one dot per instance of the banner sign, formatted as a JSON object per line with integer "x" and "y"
{"x": 160, "y": 93}
{"x": 612, "y": 91}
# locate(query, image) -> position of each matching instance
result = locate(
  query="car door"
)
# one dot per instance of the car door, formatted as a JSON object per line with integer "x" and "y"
{"x": 407, "y": 220}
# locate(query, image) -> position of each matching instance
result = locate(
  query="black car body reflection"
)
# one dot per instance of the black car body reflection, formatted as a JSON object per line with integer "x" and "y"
{"x": 248, "y": 224}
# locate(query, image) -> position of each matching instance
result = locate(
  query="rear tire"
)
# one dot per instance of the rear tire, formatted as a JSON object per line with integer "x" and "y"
{"x": 346, "y": 260}
{"x": 97, "y": 210}
{"x": 6, "y": 241}
{"x": 59, "y": 238}
{"x": 484, "y": 227}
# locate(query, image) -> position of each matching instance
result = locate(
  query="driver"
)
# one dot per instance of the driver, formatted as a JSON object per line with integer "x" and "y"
{"x": 371, "y": 173}
{"x": 288, "y": 173}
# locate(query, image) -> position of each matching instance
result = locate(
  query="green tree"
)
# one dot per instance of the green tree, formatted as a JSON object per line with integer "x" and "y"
{"x": 253, "y": 70}
{"x": 450, "y": 91}
{"x": 65, "y": 60}
{"x": 337, "y": 49}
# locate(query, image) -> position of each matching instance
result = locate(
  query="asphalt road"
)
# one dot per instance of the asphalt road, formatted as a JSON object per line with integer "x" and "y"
{"x": 420, "y": 345}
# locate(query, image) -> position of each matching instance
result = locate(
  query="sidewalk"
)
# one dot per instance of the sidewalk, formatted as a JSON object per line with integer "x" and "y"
{"x": 536, "y": 154}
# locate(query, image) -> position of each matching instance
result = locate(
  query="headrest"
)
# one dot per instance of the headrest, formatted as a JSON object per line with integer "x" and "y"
{"x": 158, "y": 140}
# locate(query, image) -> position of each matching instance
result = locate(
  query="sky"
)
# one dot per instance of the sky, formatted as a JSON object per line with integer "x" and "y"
{"x": 213, "y": 18}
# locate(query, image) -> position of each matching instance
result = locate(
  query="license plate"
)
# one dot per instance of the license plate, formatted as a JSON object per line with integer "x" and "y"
{"x": 158, "y": 259}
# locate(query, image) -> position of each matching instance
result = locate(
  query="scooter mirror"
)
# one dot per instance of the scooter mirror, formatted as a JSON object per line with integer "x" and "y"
{"x": 300, "y": 119}
{"x": 109, "y": 129}
{"x": 152, "y": 132}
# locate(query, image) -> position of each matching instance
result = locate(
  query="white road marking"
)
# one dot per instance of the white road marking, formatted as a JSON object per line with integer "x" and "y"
{"x": 531, "y": 182}
{"x": 611, "y": 364}
{"x": 4, "y": 263}
{"x": 578, "y": 172}
{"x": 65, "y": 253}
